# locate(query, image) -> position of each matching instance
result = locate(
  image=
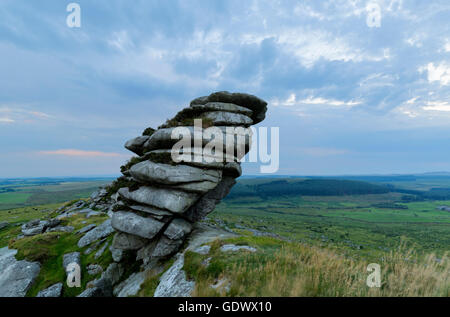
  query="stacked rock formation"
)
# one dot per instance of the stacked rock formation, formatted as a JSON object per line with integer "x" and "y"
{"x": 158, "y": 200}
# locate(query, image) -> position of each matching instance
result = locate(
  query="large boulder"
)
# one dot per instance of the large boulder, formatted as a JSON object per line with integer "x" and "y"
{"x": 125, "y": 241}
{"x": 178, "y": 229}
{"x": 165, "y": 138}
{"x": 34, "y": 227}
{"x": 52, "y": 291}
{"x": 136, "y": 145}
{"x": 258, "y": 106}
{"x": 173, "y": 200}
{"x": 222, "y": 106}
{"x": 228, "y": 118}
{"x": 199, "y": 187}
{"x": 173, "y": 283}
{"x": 131, "y": 223}
{"x": 16, "y": 277}
{"x": 166, "y": 247}
{"x": 70, "y": 258}
{"x": 167, "y": 189}
{"x": 149, "y": 172}
{"x": 208, "y": 202}
{"x": 98, "y": 233}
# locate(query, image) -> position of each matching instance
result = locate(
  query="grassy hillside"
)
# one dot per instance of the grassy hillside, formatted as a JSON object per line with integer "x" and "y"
{"x": 307, "y": 244}
{"x": 280, "y": 268}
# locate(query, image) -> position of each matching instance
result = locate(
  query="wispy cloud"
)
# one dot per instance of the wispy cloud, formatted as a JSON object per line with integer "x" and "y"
{"x": 79, "y": 153}
{"x": 21, "y": 114}
{"x": 6, "y": 120}
{"x": 437, "y": 106}
{"x": 311, "y": 100}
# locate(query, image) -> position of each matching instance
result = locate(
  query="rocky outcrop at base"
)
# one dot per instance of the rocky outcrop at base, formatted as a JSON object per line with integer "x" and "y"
{"x": 168, "y": 186}
{"x": 16, "y": 277}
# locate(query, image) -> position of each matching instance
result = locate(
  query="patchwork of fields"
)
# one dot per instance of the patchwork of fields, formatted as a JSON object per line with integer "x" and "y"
{"x": 366, "y": 225}
{"x": 349, "y": 222}
{"x": 33, "y": 192}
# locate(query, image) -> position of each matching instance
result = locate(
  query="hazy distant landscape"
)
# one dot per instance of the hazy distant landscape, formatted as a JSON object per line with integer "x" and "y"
{"x": 15, "y": 193}
{"x": 362, "y": 215}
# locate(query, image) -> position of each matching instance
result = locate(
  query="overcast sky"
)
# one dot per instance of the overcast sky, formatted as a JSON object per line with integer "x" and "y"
{"x": 350, "y": 93}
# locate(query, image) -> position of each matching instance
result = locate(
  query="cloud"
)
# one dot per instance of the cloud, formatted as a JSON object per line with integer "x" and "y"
{"x": 18, "y": 114}
{"x": 322, "y": 69}
{"x": 6, "y": 120}
{"x": 440, "y": 72}
{"x": 310, "y": 100}
{"x": 437, "y": 106}
{"x": 79, "y": 153}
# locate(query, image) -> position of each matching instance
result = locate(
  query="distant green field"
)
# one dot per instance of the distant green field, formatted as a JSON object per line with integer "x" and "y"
{"x": 364, "y": 225}
{"x": 344, "y": 222}
{"x": 22, "y": 193}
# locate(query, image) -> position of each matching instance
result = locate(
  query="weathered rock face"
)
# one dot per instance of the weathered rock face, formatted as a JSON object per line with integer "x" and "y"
{"x": 167, "y": 188}
{"x": 16, "y": 277}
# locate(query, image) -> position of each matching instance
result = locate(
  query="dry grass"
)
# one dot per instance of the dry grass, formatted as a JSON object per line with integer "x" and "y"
{"x": 296, "y": 270}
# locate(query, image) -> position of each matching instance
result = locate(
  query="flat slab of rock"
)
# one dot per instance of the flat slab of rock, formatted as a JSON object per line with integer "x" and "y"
{"x": 16, "y": 277}
{"x": 166, "y": 247}
{"x": 52, "y": 291}
{"x": 151, "y": 210}
{"x": 131, "y": 286}
{"x": 178, "y": 229}
{"x": 162, "y": 139}
{"x": 173, "y": 282}
{"x": 204, "y": 249}
{"x": 69, "y": 258}
{"x": 199, "y": 187}
{"x": 135, "y": 145}
{"x": 173, "y": 200}
{"x": 100, "y": 232}
{"x": 94, "y": 269}
{"x": 34, "y": 227}
{"x": 125, "y": 241}
{"x": 257, "y": 105}
{"x": 222, "y": 106}
{"x": 208, "y": 202}
{"x": 235, "y": 248}
{"x": 228, "y": 118}
{"x": 87, "y": 228}
{"x": 61, "y": 229}
{"x": 131, "y": 223}
{"x": 100, "y": 252}
{"x": 149, "y": 171}
{"x": 207, "y": 161}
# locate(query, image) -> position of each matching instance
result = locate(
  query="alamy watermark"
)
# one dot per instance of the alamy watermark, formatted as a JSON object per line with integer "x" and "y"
{"x": 74, "y": 18}
{"x": 226, "y": 145}
{"x": 374, "y": 9}
{"x": 73, "y": 271}
{"x": 374, "y": 278}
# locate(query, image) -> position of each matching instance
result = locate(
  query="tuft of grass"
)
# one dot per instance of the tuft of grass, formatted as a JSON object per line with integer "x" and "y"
{"x": 148, "y": 132}
{"x": 186, "y": 117}
{"x": 133, "y": 161}
{"x": 118, "y": 184}
{"x": 8, "y": 233}
{"x": 292, "y": 269}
